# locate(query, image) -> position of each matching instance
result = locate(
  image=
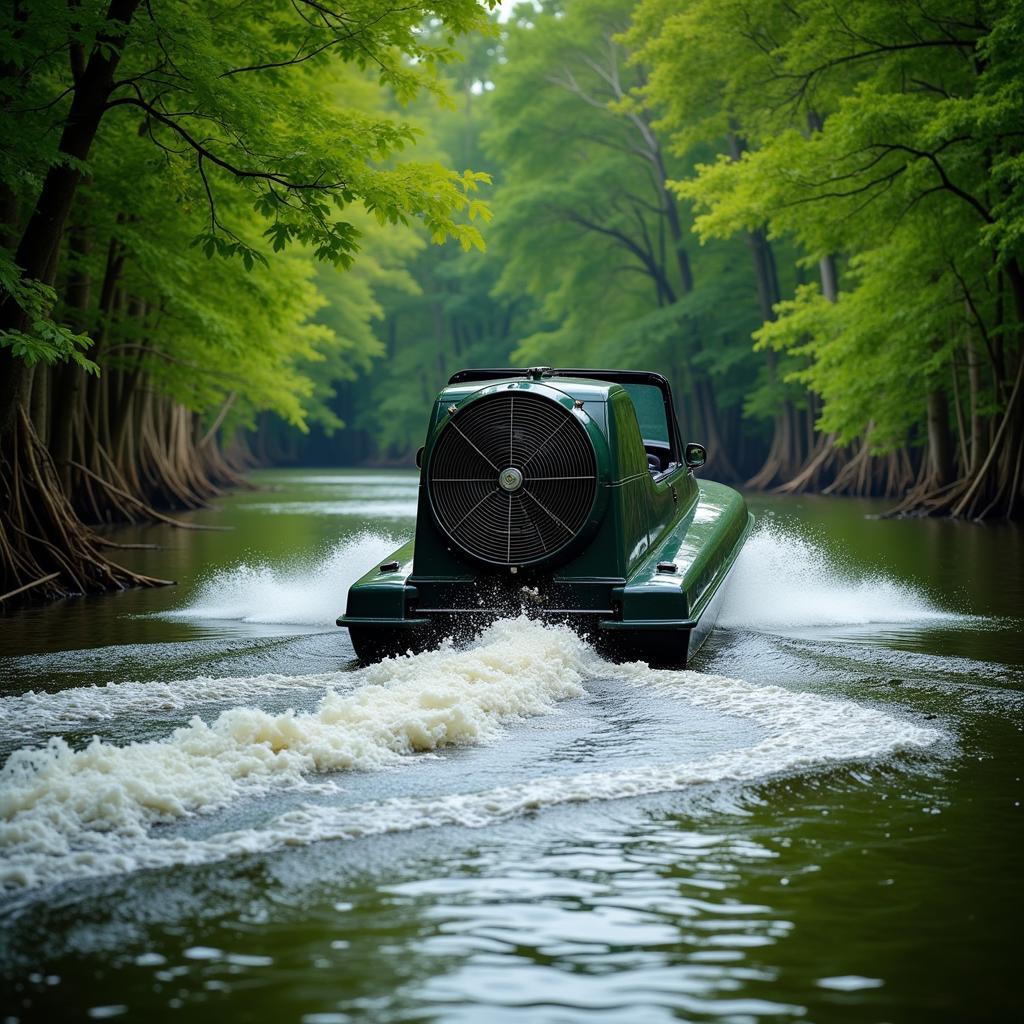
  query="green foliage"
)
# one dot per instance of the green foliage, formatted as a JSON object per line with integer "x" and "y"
{"x": 273, "y": 177}
{"x": 242, "y": 144}
{"x": 888, "y": 137}
{"x": 257, "y": 94}
{"x": 45, "y": 341}
{"x": 587, "y": 226}
{"x": 437, "y": 309}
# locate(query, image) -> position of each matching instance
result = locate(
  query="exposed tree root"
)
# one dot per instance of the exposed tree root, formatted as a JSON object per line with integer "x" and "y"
{"x": 785, "y": 457}
{"x": 994, "y": 489}
{"x": 29, "y": 586}
{"x": 824, "y": 461}
{"x": 147, "y": 510}
{"x": 46, "y": 551}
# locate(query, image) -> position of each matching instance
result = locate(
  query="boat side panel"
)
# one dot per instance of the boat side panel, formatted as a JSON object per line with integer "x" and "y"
{"x": 709, "y": 615}
{"x": 702, "y": 546}
{"x": 381, "y": 598}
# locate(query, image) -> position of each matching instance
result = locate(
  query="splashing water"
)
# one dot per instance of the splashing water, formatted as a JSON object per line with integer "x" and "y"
{"x": 305, "y": 593}
{"x": 62, "y": 811}
{"x": 780, "y": 581}
{"x": 83, "y": 707}
{"x": 783, "y": 581}
{"x": 68, "y": 813}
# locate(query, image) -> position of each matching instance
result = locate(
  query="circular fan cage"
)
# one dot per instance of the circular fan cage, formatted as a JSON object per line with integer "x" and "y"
{"x": 513, "y": 478}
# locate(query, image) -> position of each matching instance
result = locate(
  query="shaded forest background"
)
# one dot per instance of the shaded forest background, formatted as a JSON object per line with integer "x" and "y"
{"x": 224, "y": 228}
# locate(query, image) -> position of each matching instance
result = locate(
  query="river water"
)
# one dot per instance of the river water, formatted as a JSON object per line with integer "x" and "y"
{"x": 209, "y": 812}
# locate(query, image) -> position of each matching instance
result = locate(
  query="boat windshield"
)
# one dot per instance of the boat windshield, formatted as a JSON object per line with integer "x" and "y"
{"x": 649, "y": 403}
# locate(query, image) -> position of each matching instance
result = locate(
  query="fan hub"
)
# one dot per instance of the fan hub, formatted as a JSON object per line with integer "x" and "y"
{"x": 510, "y": 479}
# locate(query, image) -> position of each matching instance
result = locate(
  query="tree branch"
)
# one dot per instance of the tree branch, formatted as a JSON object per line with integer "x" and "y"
{"x": 208, "y": 154}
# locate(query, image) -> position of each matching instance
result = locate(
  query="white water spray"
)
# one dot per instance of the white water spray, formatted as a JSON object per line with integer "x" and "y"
{"x": 784, "y": 581}
{"x": 310, "y": 592}
{"x": 780, "y": 581}
{"x": 68, "y": 813}
{"x": 84, "y": 707}
{"x": 63, "y": 810}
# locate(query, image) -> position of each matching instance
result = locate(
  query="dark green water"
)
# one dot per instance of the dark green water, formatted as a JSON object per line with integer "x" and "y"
{"x": 834, "y": 837}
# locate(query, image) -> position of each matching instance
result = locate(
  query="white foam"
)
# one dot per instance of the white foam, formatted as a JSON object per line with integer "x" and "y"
{"x": 38, "y": 712}
{"x": 782, "y": 580}
{"x": 60, "y": 807}
{"x": 801, "y": 732}
{"x": 311, "y": 592}
{"x": 66, "y": 813}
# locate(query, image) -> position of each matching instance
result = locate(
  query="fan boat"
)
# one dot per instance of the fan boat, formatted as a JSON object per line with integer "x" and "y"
{"x": 567, "y": 494}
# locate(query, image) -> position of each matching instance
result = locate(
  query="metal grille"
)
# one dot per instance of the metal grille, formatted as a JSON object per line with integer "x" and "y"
{"x": 512, "y": 478}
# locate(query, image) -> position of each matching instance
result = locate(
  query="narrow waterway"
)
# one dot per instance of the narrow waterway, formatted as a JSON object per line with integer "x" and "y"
{"x": 209, "y": 811}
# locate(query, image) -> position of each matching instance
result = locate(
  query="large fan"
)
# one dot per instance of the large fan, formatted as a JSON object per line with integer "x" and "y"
{"x": 512, "y": 478}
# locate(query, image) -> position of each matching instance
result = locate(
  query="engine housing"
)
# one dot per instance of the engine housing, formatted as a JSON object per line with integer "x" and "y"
{"x": 512, "y": 476}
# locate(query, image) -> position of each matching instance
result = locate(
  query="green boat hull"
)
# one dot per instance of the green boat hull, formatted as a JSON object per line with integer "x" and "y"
{"x": 650, "y": 613}
{"x": 552, "y": 492}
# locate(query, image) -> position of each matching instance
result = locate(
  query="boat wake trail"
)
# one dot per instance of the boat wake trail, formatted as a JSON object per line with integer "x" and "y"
{"x": 310, "y": 593}
{"x": 38, "y": 712}
{"x": 67, "y": 813}
{"x": 783, "y": 581}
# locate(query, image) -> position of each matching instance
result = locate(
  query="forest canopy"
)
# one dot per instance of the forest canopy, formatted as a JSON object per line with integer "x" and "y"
{"x": 809, "y": 219}
{"x": 261, "y": 231}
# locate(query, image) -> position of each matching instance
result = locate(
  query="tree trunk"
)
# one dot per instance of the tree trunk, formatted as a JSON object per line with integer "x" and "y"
{"x": 940, "y": 444}
{"x": 975, "y": 448}
{"x": 829, "y": 278}
{"x": 40, "y": 240}
{"x": 783, "y": 459}
{"x": 44, "y": 548}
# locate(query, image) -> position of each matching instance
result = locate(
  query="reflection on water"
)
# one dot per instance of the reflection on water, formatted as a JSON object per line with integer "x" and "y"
{"x": 819, "y": 824}
{"x": 374, "y": 509}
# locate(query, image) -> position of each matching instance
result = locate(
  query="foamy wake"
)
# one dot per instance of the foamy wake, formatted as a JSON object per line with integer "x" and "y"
{"x": 67, "y": 813}
{"x": 782, "y": 580}
{"x": 82, "y": 707}
{"x": 309, "y": 592}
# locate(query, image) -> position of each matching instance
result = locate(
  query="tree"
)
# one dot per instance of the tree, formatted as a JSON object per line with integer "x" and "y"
{"x": 588, "y": 224}
{"x": 888, "y": 133}
{"x": 439, "y": 314}
{"x": 230, "y": 98}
